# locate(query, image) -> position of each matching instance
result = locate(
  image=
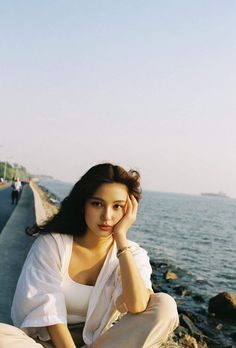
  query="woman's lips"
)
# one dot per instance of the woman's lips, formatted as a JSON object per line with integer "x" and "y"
{"x": 105, "y": 227}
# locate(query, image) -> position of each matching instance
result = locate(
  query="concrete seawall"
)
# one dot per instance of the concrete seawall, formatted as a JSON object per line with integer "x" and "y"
{"x": 14, "y": 246}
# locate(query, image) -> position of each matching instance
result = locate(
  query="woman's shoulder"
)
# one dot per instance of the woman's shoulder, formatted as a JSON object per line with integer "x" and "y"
{"x": 61, "y": 238}
{"x": 51, "y": 246}
{"x": 52, "y": 241}
{"x": 57, "y": 237}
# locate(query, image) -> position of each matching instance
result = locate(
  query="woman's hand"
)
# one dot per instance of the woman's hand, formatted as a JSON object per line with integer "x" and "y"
{"x": 122, "y": 227}
{"x": 61, "y": 336}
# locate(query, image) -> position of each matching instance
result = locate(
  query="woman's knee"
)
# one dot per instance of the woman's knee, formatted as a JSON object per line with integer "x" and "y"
{"x": 163, "y": 299}
{"x": 12, "y": 337}
{"x": 164, "y": 306}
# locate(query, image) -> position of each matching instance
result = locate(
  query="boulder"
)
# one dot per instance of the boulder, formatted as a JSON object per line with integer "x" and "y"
{"x": 223, "y": 305}
{"x": 168, "y": 275}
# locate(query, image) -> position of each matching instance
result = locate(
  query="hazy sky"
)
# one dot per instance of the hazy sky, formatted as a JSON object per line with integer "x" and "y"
{"x": 145, "y": 84}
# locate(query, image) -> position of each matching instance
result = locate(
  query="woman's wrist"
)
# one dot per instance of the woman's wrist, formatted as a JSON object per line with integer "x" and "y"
{"x": 121, "y": 241}
{"x": 122, "y": 251}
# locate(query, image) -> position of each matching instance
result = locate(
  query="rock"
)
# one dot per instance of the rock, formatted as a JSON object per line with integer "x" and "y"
{"x": 170, "y": 343}
{"x": 198, "y": 298}
{"x": 181, "y": 331}
{"x": 192, "y": 329}
{"x": 182, "y": 290}
{"x": 168, "y": 275}
{"x": 219, "y": 326}
{"x": 185, "y": 342}
{"x": 188, "y": 341}
{"x": 162, "y": 264}
{"x": 223, "y": 305}
{"x": 233, "y": 335}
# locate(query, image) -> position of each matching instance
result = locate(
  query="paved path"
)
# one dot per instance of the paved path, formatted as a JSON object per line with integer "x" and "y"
{"x": 14, "y": 246}
{"x": 6, "y": 208}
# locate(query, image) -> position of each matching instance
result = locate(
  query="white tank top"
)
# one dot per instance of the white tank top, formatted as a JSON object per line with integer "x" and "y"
{"x": 76, "y": 298}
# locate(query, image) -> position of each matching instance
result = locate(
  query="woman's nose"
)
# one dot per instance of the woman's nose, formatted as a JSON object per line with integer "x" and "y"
{"x": 106, "y": 214}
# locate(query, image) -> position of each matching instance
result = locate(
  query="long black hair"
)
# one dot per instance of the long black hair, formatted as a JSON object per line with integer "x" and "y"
{"x": 70, "y": 217}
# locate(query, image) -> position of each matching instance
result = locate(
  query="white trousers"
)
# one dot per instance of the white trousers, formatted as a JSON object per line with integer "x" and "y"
{"x": 148, "y": 329}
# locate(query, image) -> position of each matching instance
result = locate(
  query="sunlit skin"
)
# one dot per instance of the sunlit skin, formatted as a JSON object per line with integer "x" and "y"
{"x": 109, "y": 214}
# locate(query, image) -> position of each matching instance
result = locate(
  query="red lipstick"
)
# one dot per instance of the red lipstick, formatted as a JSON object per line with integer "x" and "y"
{"x": 105, "y": 227}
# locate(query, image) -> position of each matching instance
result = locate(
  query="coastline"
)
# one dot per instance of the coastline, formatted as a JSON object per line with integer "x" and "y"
{"x": 197, "y": 331}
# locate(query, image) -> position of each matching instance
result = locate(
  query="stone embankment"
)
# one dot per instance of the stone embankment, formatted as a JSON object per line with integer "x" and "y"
{"x": 44, "y": 205}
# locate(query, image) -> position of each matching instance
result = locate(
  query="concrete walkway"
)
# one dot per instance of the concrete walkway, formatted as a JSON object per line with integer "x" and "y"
{"x": 6, "y": 208}
{"x": 14, "y": 246}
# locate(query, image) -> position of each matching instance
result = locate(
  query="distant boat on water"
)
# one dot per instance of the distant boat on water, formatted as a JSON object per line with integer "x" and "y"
{"x": 219, "y": 194}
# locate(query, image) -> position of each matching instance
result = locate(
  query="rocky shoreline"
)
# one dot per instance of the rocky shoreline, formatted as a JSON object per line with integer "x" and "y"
{"x": 198, "y": 328}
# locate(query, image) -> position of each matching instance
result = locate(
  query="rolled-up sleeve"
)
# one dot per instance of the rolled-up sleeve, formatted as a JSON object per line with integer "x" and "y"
{"x": 39, "y": 301}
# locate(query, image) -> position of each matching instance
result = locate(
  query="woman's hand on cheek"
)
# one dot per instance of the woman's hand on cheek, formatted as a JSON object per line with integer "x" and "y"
{"x": 122, "y": 227}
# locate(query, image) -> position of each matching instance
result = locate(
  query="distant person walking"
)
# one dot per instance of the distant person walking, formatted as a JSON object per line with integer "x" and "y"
{"x": 16, "y": 190}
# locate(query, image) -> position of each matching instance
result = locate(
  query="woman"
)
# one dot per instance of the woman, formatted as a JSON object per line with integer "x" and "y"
{"x": 82, "y": 274}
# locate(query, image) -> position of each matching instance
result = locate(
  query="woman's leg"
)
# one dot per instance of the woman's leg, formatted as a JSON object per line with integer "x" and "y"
{"x": 12, "y": 337}
{"x": 148, "y": 329}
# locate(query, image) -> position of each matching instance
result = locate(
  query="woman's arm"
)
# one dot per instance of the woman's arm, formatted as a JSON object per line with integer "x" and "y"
{"x": 60, "y": 336}
{"x": 135, "y": 295}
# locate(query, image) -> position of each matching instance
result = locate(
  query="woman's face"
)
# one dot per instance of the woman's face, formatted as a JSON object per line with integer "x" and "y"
{"x": 105, "y": 208}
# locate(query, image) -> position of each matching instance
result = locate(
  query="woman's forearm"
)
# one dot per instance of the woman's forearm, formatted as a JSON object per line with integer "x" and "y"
{"x": 60, "y": 336}
{"x": 135, "y": 294}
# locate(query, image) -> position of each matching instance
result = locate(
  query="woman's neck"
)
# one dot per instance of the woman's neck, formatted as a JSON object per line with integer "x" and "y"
{"x": 92, "y": 242}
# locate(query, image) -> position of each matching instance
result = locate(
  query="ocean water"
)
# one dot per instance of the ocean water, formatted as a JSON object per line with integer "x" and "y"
{"x": 195, "y": 235}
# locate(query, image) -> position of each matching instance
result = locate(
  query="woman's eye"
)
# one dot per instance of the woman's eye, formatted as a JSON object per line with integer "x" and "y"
{"x": 118, "y": 206}
{"x": 97, "y": 204}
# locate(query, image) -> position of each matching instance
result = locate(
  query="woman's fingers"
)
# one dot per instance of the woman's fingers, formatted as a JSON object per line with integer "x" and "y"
{"x": 132, "y": 206}
{"x": 134, "y": 203}
{"x": 129, "y": 216}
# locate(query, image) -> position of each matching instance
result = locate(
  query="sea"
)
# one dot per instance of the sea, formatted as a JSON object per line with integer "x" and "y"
{"x": 194, "y": 235}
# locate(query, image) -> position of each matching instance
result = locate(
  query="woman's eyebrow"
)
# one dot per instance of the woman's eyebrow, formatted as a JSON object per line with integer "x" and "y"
{"x": 102, "y": 200}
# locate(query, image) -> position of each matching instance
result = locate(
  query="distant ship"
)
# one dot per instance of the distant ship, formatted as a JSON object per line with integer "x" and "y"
{"x": 219, "y": 194}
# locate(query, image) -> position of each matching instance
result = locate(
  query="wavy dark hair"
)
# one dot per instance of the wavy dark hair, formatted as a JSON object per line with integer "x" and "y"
{"x": 70, "y": 217}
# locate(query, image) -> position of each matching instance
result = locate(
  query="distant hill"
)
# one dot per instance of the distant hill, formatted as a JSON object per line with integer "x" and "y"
{"x": 43, "y": 177}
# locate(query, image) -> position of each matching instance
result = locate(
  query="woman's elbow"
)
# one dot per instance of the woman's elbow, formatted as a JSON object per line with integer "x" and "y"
{"x": 138, "y": 306}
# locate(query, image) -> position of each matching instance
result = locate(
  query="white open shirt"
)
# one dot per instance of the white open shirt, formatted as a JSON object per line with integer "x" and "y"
{"x": 39, "y": 299}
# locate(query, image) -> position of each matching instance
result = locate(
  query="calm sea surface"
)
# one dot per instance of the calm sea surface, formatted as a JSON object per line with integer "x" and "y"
{"x": 195, "y": 235}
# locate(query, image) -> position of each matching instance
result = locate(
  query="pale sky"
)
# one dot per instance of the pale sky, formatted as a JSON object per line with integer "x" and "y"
{"x": 144, "y": 84}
